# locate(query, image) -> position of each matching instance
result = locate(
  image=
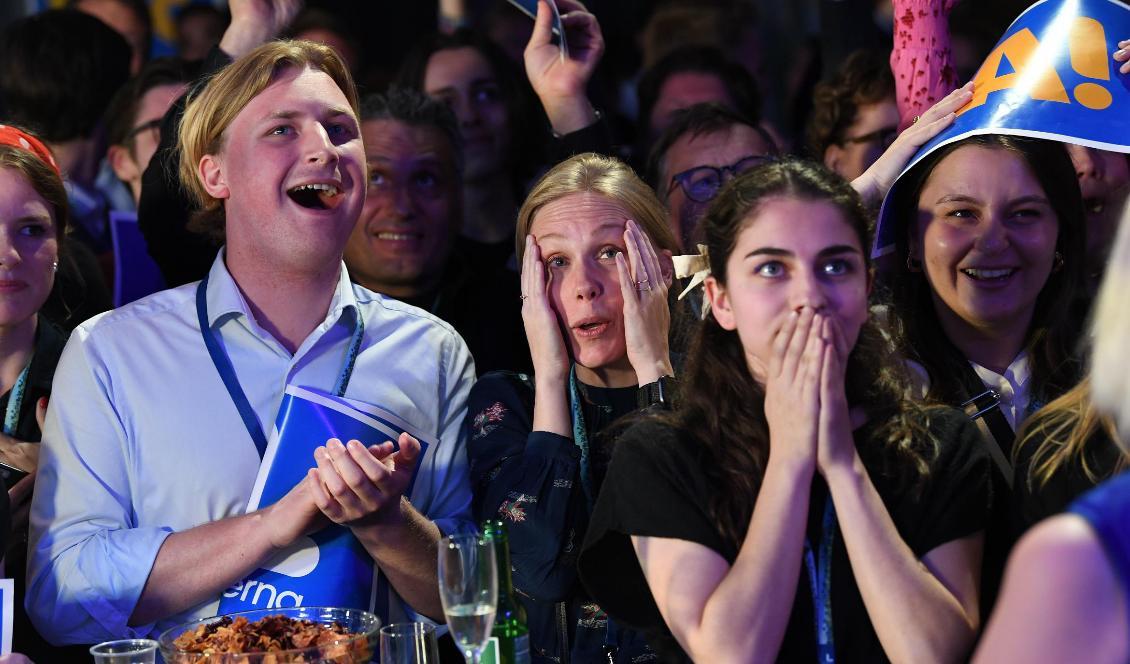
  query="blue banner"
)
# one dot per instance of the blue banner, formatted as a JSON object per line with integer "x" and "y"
{"x": 1050, "y": 76}
{"x": 330, "y": 567}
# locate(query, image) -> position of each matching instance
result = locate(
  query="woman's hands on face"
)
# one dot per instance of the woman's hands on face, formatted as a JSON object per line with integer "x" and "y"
{"x": 805, "y": 400}
{"x": 647, "y": 316}
{"x": 792, "y": 386}
{"x": 836, "y": 446}
{"x": 543, "y": 332}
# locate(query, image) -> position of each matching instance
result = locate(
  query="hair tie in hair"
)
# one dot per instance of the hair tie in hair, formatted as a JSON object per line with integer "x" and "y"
{"x": 19, "y": 139}
{"x": 697, "y": 267}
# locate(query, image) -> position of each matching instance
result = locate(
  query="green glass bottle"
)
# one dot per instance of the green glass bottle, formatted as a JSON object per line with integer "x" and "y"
{"x": 510, "y": 629}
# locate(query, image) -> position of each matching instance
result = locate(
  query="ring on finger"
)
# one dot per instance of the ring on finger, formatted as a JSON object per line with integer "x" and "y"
{"x": 916, "y": 119}
{"x": 523, "y": 297}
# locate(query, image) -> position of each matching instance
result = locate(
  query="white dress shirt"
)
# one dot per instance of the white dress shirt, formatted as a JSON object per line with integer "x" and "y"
{"x": 143, "y": 440}
{"x": 1013, "y": 386}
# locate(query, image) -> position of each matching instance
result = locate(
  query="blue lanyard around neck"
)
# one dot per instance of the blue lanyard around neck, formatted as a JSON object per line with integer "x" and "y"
{"x": 15, "y": 401}
{"x": 580, "y": 436}
{"x": 820, "y": 582}
{"x": 227, "y": 372}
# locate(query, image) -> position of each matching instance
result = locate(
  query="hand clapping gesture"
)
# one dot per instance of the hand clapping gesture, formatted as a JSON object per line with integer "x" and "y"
{"x": 355, "y": 485}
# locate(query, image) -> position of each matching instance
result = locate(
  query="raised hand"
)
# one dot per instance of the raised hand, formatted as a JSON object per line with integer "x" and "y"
{"x": 360, "y": 486}
{"x": 254, "y": 22}
{"x": 547, "y": 346}
{"x": 792, "y": 386}
{"x": 647, "y": 316}
{"x": 880, "y": 176}
{"x": 561, "y": 84}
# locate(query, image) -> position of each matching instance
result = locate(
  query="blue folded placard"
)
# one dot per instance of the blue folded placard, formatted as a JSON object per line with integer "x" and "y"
{"x": 1050, "y": 76}
{"x": 330, "y": 567}
{"x": 135, "y": 272}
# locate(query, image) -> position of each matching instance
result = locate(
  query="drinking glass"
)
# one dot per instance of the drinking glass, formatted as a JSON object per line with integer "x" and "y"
{"x": 409, "y": 643}
{"x": 468, "y": 588}
{"x": 125, "y": 651}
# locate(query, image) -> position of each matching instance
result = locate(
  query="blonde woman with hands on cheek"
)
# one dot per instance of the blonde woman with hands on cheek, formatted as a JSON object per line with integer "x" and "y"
{"x": 596, "y": 264}
{"x": 794, "y": 507}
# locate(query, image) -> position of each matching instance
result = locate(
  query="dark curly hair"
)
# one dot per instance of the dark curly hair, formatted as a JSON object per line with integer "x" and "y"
{"x": 865, "y": 78}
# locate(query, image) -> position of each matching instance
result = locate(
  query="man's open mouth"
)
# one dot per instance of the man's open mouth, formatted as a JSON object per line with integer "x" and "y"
{"x": 316, "y": 196}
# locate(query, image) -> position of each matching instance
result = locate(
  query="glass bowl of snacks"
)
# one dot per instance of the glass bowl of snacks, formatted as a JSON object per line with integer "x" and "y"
{"x": 299, "y": 635}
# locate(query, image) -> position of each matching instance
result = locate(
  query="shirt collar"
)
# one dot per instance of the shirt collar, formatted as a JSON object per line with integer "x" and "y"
{"x": 1011, "y": 386}
{"x": 1016, "y": 374}
{"x": 225, "y": 299}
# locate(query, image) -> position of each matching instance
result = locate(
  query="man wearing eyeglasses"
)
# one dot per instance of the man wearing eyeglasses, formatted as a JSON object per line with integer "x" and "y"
{"x": 703, "y": 148}
{"x": 854, "y": 115}
{"x": 135, "y": 118}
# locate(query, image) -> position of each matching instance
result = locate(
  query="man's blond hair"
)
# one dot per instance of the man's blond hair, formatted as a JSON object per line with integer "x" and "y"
{"x": 209, "y": 113}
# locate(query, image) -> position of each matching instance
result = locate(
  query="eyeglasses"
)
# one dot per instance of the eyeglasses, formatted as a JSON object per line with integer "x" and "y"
{"x": 884, "y": 136}
{"x": 153, "y": 125}
{"x": 701, "y": 183}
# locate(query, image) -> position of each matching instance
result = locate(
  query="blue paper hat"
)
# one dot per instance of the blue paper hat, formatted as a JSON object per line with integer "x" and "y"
{"x": 1050, "y": 76}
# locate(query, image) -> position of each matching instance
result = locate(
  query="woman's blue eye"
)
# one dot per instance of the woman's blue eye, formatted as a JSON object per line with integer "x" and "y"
{"x": 771, "y": 269}
{"x": 609, "y": 252}
{"x": 34, "y": 230}
{"x": 555, "y": 261}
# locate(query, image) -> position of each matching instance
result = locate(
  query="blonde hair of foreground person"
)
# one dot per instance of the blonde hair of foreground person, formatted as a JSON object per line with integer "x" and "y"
{"x": 597, "y": 174}
{"x": 1062, "y": 599}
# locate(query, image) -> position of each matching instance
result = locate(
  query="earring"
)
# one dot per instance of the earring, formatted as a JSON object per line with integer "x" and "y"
{"x": 55, "y": 266}
{"x": 913, "y": 264}
{"x": 1057, "y": 262}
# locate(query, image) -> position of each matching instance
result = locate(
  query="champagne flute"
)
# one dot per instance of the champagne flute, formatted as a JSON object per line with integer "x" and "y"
{"x": 468, "y": 588}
